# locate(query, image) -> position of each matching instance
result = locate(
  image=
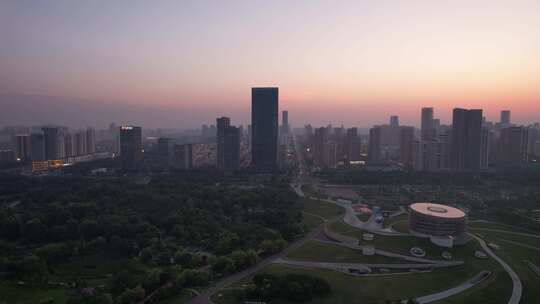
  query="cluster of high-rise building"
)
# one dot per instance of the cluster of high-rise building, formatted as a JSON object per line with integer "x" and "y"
{"x": 263, "y": 137}
{"x": 331, "y": 146}
{"x": 49, "y": 144}
{"x": 470, "y": 143}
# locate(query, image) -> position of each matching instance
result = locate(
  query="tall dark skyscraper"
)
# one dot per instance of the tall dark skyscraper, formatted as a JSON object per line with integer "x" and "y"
{"x": 466, "y": 140}
{"x": 318, "y": 146}
{"x": 130, "y": 147}
{"x": 264, "y": 125}
{"x": 374, "y": 148}
{"x": 222, "y": 123}
{"x": 352, "y": 145}
{"x": 513, "y": 147}
{"x": 394, "y": 121}
{"x": 232, "y": 148}
{"x": 406, "y": 139}
{"x": 228, "y": 145}
{"x": 51, "y": 142}
{"x": 427, "y": 129}
{"x": 505, "y": 118}
{"x": 285, "y": 118}
{"x": 90, "y": 141}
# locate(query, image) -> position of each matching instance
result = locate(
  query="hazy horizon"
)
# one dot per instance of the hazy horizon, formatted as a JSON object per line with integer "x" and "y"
{"x": 180, "y": 64}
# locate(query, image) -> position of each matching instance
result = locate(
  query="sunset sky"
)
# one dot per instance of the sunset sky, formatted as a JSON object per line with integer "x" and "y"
{"x": 352, "y": 62}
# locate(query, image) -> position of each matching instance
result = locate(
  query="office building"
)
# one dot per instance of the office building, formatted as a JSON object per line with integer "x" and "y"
{"x": 131, "y": 153}
{"x": 427, "y": 129}
{"x": 466, "y": 140}
{"x": 264, "y": 129}
{"x": 445, "y": 226}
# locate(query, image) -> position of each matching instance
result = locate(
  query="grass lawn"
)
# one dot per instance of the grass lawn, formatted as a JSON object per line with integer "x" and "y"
{"x": 500, "y": 226}
{"x": 321, "y": 208}
{"x": 183, "y": 297}
{"x": 508, "y": 236}
{"x": 321, "y": 252}
{"x": 13, "y": 294}
{"x": 310, "y": 221}
{"x": 514, "y": 255}
{"x": 395, "y": 219}
{"x": 401, "y": 226}
{"x": 349, "y": 289}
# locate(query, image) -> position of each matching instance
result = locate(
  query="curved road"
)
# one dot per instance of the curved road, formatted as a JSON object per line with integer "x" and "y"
{"x": 365, "y": 266}
{"x": 517, "y": 287}
{"x": 204, "y": 296}
{"x": 435, "y": 297}
{"x": 508, "y": 232}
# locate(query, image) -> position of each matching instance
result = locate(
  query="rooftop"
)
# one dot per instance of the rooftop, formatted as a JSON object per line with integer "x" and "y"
{"x": 437, "y": 210}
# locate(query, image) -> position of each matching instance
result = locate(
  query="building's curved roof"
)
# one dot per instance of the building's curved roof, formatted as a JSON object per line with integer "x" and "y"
{"x": 437, "y": 210}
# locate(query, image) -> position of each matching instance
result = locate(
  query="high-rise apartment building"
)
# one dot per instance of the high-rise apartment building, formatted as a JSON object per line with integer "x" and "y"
{"x": 352, "y": 145}
{"x": 374, "y": 148}
{"x": 394, "y": 121}
{"x": 51, "y": 137}
{"x": 228, "y": 145}
{"x": 285, "y": 120}
{"x": 505, "y": 118}
{"x": 427, "y": 129}
{"x": 513, "y": 146}
{"x": 37, "y": 147}
{"x": 222, "y": 123}
{"x": 131, "y": 153}
{"x": 90, "y": 141}
{"x": 22, "y": 147}
{"x": 466, "y": 140}
{"x": 330, "y": 154}
{"x": 165, "y": 151}
{"x": 264, "y": 129}
{"x": 319, "y": 140}
{"x": 485, "y": 144}
{"x": 406, "y": 139}
{"x": 183, "y": 157}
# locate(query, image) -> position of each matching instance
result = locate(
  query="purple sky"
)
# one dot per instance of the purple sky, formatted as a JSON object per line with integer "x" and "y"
{"x": 183, "y": 63}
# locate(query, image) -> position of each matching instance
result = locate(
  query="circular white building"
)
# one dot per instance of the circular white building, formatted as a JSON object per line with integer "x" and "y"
{"x": 442, "y": 224}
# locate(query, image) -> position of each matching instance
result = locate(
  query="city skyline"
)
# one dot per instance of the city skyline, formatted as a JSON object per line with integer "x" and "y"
{"x": 331, "y": 61}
